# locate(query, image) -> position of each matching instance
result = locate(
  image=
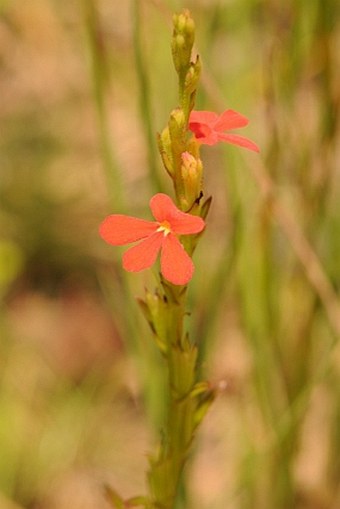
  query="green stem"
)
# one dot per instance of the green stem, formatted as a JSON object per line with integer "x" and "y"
{"x": 181, "y": 359}
{"x": 187, "y": 400}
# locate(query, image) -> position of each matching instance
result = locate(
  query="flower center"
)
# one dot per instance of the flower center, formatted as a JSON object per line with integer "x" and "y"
{"x": 165, "y": 227}
{"x": 200, "y": 130}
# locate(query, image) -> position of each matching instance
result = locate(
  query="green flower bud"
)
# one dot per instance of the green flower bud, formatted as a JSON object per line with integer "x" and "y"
{"x": 194, "y": 147}
{"x": 164, "y": 146}
{"x": 177, "y": 131}
{"x": 182, "y": 40}
{"x": 191, "y": 171}
{"x": 191, "y": 167}
{"x": 177, "y": 119}
{"x": 192, "y": 76}
{"x": 179, "y": 42}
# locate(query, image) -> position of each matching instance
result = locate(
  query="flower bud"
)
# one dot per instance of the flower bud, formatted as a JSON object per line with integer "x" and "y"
{"x": 182, "y": 40}
{"x": 177, "y": 130}
{"x": 179, "y": 42}
{"x": 192, "y": 76}
{"x": 164, "y": 146}
{"x": 193, "y": 146}
{"x": 191, "y": 170}
{"x": 177, "y": 118}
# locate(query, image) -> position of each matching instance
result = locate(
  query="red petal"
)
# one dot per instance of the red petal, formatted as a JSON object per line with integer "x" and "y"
{"x": 144, "y": 254}
{"x": 203, "y": 117}
{"x": 239, "y": 140}
{"x": 185, "y": 224}
{"x": 162, "y": 207}
{"x": 230, "y": 119}
{"x": 176, "y": 264}
{"x": 203, "y": 133}
{"x": 199, "y": 130}
{"x": 119, "y": 230}
{"x": 212, "y": 139}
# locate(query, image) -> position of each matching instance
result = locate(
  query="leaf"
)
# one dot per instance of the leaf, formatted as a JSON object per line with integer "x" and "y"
{"x": 114, "y": 498}
{"x": 146, "y": 312}
{"x": 203, "y": 406}
{"x": 206, "y": 207}
{"x": 137, "y": 502}
{"x": 200, "y": 388}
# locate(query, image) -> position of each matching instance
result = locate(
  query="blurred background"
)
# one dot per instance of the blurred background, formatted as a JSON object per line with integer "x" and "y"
{"x": 84, "y": 87}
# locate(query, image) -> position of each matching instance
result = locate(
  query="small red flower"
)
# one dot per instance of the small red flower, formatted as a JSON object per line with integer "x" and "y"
{"x": 160, "y": 235}
{"x": 208, "y": 128}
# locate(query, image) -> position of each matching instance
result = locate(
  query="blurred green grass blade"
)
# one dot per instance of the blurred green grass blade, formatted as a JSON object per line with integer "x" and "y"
{"x": 145, "y": 99}
{"x": 100, "y": 84}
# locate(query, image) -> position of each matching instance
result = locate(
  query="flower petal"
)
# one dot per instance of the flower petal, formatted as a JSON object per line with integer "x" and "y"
{"x": 143, "y": 255}
{"x": 118, "y": 229}
{"x": 162, "y": 206}
{"x": 203, "y": 117}
{"x": 164, "y": 209}
{"x": 176, "y": 264}
{"x": 185, "y": 224}
{"x": 203, "y": 133}
{"x": 239, "y": 140}
{"x": 230, "y": 119}
{"x": 199, "y": 130}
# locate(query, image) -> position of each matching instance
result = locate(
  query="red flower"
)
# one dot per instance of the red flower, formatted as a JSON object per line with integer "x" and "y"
{"x": 208, "y": 128}
{"x": 160, "y": 235}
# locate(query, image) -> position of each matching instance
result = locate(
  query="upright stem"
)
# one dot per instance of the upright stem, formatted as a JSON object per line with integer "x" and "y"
{"x": 188, "y": 399}
{"x": 181, "y": 359}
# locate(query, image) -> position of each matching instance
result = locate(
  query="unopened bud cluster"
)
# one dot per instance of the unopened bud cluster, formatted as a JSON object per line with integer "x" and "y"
{"x": 182, "y": 40}
{"x": 178, "y": 148}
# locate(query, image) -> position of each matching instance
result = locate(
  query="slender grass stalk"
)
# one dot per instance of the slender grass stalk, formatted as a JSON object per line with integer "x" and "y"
{"x": 100, "y": 81}
{"x": 119, "y": 293}
{"x": 204, "y": 330}
{"x": 145, "y": 99}
{"x": 313, "y": 268}
{"x": 296, "y": 390}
